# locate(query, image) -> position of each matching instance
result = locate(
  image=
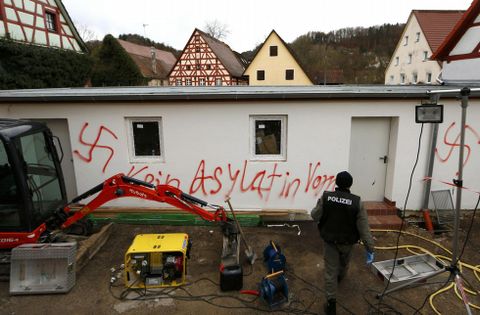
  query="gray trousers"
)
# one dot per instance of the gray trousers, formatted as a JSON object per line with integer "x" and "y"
{"x": 336, "y": 258}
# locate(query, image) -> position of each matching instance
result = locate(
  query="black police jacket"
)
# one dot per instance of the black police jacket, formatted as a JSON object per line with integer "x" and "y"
{"x": 338, "y": 223}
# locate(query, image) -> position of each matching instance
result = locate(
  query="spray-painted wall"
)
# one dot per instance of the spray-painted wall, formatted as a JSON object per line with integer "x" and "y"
{"x": 207, "y": 147}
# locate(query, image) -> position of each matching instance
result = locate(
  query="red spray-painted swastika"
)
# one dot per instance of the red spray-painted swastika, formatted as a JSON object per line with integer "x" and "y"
{"x": 94, "y": 145}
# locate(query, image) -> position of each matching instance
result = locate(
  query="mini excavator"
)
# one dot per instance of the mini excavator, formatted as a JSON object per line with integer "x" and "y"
{"x": 34, "y": 206}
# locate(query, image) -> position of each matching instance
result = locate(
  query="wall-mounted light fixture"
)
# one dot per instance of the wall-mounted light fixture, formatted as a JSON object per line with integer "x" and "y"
{"x": 429, "y": 113}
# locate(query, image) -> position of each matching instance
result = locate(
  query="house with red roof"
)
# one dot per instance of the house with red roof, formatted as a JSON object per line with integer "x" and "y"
{"x": 424, "y": 31}
{"x": 207, "y": 61}
{"x": 460, "y": 51}
{"x": 154, "y": 64}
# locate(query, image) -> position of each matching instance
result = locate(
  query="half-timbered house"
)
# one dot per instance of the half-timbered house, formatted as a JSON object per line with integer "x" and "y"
{"x": 206, "y": 61}
{"x": 39, "y": 22}
{"x": 460, "y": 51}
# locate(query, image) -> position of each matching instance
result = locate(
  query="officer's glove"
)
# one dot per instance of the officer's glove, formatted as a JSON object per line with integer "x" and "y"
{"x": 370, "y": 257}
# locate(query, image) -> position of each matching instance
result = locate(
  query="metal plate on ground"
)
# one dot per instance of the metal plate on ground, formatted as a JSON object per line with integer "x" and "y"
{"x": 406, "y": 269}
{"x": 42, "y": 268}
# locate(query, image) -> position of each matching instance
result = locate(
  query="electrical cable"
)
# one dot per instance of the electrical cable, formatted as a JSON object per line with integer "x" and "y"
{"x": 443, "y": 259}
{"x": 144, "y": 294}
{"x": 404, "y": 209}
{"x": 469, "y": 229}
{"x": 318, "y": 289}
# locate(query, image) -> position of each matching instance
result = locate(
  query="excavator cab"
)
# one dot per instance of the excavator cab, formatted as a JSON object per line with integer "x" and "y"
{"x": 31, "y": 180}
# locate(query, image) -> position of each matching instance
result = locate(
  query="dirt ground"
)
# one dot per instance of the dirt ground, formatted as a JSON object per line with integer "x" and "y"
{"x": 92, "y": 293}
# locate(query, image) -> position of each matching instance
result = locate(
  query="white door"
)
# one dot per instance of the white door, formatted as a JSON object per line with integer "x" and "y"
{"x": 59, "y": 128}
{"x": 369, "y": 157}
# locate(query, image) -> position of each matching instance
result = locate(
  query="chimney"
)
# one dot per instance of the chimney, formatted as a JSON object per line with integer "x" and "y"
{"x": 153, "y": 54}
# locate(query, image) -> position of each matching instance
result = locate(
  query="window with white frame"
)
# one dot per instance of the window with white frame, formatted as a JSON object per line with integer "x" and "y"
{"x": 145, "y": 139}
{"x": 417, "y": 37}
{"x": 178, "y": 82}
{"x": 425, "y": 55}
{"x": 397, "y": 61}
{"x": 218, "y": 81}
{"x": 405, "y": 43}
{"x": 188, "y": 81}
{"x": 402, "y": 78}
{"x": 414, "y": 78}
{"x": 409, "y": 58}
{"x": 201, "y": 81}
{"x": 268, "y": 137}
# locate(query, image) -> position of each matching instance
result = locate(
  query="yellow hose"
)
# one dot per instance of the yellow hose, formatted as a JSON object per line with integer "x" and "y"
{"x": 414, "y": 250}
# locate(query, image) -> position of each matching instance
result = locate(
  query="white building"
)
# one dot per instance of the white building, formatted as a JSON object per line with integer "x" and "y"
{"x": 422, "y": 35}
{"x": 460, "y": 51}
{"x": 266, "y": 147}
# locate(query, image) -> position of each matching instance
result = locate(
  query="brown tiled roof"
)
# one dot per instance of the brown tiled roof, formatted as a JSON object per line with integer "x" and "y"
{"x": 457, "y": 31}
{"x": 436, "y": 24}
{"x": 141, "y": 55}
{"x": 229, "y": 58}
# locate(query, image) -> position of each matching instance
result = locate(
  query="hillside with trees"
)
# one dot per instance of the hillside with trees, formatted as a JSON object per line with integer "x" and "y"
{"x": 348, "y": 55}
{"x": 140, "y": 40}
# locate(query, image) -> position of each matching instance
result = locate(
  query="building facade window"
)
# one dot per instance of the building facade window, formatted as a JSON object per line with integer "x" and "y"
{"x": 429, "y": 77}
{"x": 145, "y": 139}
{"x": 289, "y": 74}
{"x": 188, "y": 81}
{"x": 402, "y": 78}
{"x": 218, "y": 81}
{"x": 417, "y": 37}
{"x": 392, "y": 78}
{"x": 397, "y": 61}
{"x": 405, "y": 43}
{"x": 414, "y": 78}
{"x": 425, "y": 55}
{"x": 409, "y": 58}
{"x": 260, "y": 75}
{"x": 201, "y": 81}
{"x": 209, "y": 67}
{"x": 51, "y": 21}
{"x": 273, "y": 51}
{"x": 188, "y": 67}
{"x": 268, "y": 137}
{"x": 178, "y": 82}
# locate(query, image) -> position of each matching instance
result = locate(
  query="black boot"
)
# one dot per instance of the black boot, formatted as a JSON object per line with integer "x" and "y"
{"x": 331, "y": 307}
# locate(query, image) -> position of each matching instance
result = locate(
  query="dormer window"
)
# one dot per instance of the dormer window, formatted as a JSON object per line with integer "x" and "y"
{"x": 51, "y": 20}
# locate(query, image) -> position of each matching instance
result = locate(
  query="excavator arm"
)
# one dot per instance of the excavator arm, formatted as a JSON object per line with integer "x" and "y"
{"x": 119, "y": 186}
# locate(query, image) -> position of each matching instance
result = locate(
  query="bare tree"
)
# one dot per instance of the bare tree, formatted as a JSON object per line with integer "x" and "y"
{"x": 85, "y": 33}
{"x": 216, "y": 29}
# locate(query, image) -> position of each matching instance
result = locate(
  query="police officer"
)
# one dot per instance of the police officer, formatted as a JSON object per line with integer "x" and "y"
{"x": 342, "y": 221}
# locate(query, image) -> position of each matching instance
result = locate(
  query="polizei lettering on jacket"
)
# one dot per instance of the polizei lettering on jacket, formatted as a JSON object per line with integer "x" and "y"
{"x": 344, "y": 201}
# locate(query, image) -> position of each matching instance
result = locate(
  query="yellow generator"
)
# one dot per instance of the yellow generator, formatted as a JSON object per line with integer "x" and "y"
{"x": 157, "y": 260}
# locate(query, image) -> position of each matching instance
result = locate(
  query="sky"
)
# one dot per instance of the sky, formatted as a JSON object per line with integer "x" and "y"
{"x": 249, "y": 22}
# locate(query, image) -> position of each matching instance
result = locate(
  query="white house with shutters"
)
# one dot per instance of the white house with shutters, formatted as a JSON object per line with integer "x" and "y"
{"x": 460, "y": 51}
{"x": 423, "y": 33}
{"x": 39, "y": 22}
